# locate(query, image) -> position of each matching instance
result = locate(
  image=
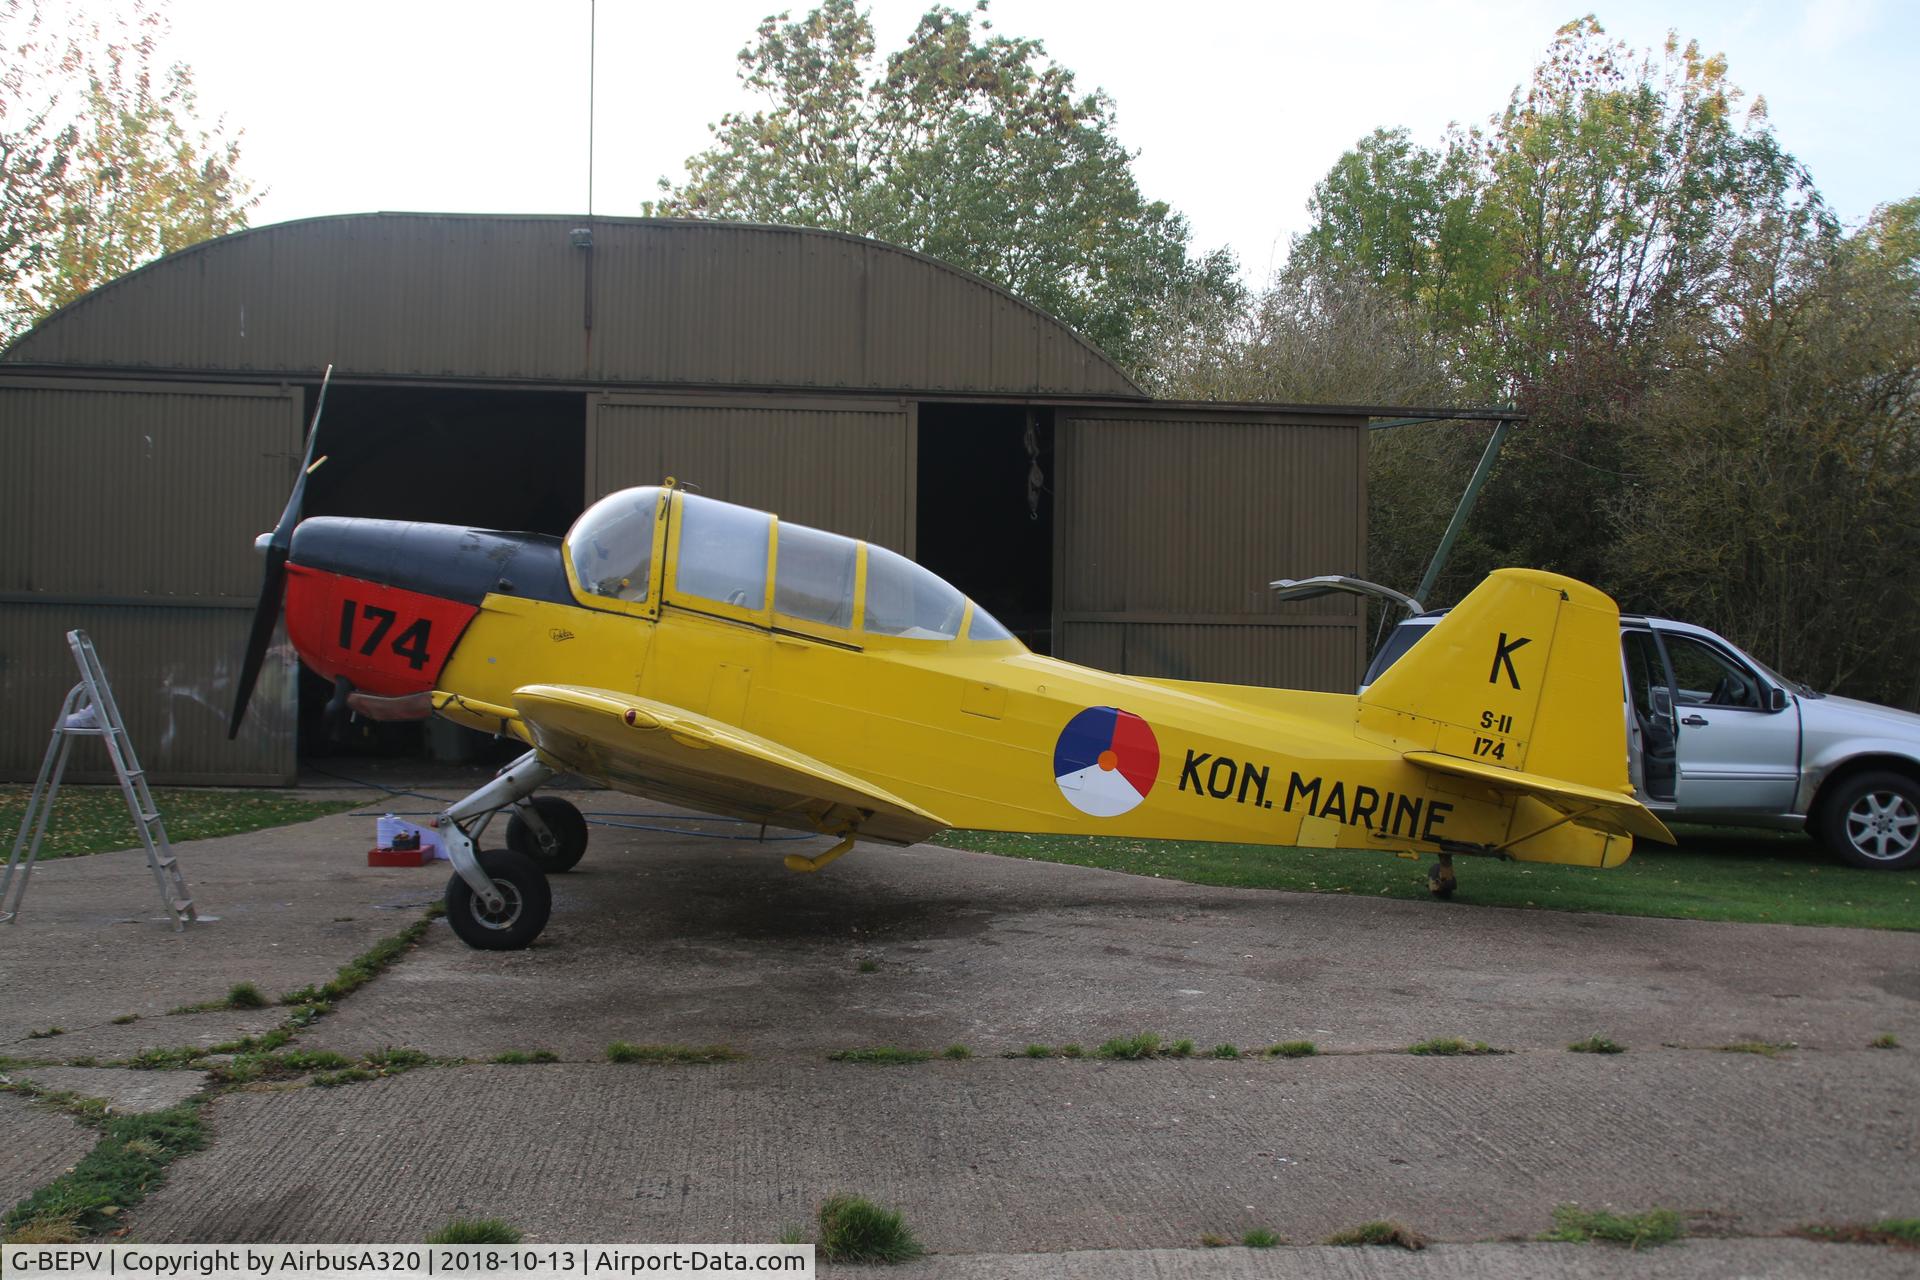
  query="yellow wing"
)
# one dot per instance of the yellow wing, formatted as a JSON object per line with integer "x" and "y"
{"x": 1589, "y": 806}
{"x": 654, "y": 749}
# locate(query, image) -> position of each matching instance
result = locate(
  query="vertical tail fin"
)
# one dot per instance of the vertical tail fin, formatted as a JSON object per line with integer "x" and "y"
{"x": 1523, "y": 675}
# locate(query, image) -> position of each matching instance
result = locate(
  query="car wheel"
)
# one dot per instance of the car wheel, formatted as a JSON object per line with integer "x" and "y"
{"x": 1873, "y": 820}
{"x": 566, "y": 822}
{"x": 520, "y": 918}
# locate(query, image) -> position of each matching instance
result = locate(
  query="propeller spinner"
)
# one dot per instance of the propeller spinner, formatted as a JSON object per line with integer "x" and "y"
{"x": 275, "y": 546}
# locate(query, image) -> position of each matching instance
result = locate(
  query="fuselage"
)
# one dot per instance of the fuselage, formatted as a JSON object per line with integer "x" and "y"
{"x": 969, "y": 726}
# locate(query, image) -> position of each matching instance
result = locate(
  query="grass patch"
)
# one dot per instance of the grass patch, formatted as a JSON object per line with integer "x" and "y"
{"x": 1596, "y": 1044}
{"x": 1452, "y": 1047}
{"x": 1763, "y": 1048}
{"x": 1130, "y": 1048}
{"x": 884, "y": 1055}
{"x": 1223, "y": 1051}
{"x": 869, "y": 966}
{"x": 1037, "y": 1051}
{"x": 1900, "y": 1233}
{"x": 1574, "y": 1225}
{"x": 1381, "y": 1232}
{"x": 129, "y": 1161}
{"x": 1292, "y": 1049}
{"x": 47, "y": 1034}
{"x": 1260, "y": 1238}
{"x": 621, "y": 1051}
{"x": 95, "y": 820}
{"x": 854, "y": 1229}
{"x": 359, "y": 971}
{"x": 1072, "y": 1051}
{"x": 956, "y": 1053}
{"x": 1713, "y": 874}
{"x": 125, "y": 1018}
{"x": 515, "y": 1058}
{"x": 476, "y": 1231}
{"x": 244, "y": 995}
{"x": 1212, "y": 1240}
{"x": 1887, "y": 1041}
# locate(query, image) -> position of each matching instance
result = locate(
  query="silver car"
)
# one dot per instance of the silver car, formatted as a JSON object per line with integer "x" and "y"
{"x": 1715, "y": 736}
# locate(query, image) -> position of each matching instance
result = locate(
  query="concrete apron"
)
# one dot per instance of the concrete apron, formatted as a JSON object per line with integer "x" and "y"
{"x": 673, "y": 938}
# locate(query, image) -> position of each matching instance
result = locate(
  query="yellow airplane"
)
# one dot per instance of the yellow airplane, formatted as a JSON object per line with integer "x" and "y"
{"x": 707, "y": 654}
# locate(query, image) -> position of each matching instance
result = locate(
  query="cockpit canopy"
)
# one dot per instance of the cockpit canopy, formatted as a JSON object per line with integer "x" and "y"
{"x": 725, "y": 555}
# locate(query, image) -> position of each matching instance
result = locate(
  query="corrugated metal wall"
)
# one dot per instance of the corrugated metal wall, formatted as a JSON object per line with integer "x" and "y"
{"x": 845, "y": 466}
{"x": 130, "y": 510}
{"x": 672, "y": 303}
{"x": 1169, "y": 524}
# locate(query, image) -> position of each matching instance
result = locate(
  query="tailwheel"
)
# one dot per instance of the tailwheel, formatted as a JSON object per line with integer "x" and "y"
{"x": 526, "y": 902}
{"x": 556, "y": 838}
{"x": 1440, "y": 882}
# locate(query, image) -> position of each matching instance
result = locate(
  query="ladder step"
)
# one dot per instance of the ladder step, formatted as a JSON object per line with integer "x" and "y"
{"x": 181, "y": 904}
{"x": 165, "y": 863}
{"x": 150, "y": 817}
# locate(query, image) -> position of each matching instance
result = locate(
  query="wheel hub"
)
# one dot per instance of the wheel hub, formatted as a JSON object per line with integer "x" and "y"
{"x": 1883, "y": 826}
{"x": 509, "y": 910}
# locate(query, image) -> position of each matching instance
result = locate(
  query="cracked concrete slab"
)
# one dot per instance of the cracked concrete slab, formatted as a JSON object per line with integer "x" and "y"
{"x": 40, "y": 1145}
{"x": 124, "y": 1089}
{"x": 1695, "y": 1259}
{"x": 1021, "y": 1155}
{"x": 697, "y": 940}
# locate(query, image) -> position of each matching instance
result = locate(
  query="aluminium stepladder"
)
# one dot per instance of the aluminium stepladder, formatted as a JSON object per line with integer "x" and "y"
{"x": 91, "y": 712}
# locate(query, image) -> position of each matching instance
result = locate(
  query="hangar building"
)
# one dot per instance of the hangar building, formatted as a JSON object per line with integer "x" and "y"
{"x": 504, "y": 371}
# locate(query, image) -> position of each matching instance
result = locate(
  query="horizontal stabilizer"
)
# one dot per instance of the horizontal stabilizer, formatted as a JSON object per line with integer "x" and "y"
{"x": 1612, "y": 811}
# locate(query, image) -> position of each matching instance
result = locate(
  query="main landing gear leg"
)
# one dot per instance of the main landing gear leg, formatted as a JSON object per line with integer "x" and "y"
{"x": 1440, "y": 882}
{"x": 497, "y": 900}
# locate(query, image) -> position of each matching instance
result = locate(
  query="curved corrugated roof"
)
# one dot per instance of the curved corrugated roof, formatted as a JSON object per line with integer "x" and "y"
{"x": 657, "y": 302}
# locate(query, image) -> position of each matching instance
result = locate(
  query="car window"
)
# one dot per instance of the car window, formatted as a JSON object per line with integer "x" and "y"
{"x": 1399, "y": 640}
{"x": 1706, "y": 677}
{"x": 1644, "y": 670}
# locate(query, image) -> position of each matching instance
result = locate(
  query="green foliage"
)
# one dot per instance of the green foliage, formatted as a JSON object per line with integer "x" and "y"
{"x": 1379, "y": 1232}
{"x": 1260, "y": 1238}
{"x": 883, "y": 1055}
{"x": 973, "y": 147}
{"x": 1039, "y": 1051}
{"x": 46, "y": 1033}
{"x": 244, "y": 995}
{"x": 104, "y": 161}
{"x": 1886, "y": 1040}
{"x": 956, "y": 1053}
{"x": 1759, "y": 1048}
{"x": 129, "y": 1161}
{"x": 516, "y": 1057}
{"x": 1901, "y": 1233}
{"x": 476, "y": 1231}
{"x": 1130, "y": 1048}
{"x": 621, "y": 1051}
{"x": 1572, "y": 1224}
{"x": 1596, "y": 1044}
{"x": 1292, "y": 1049}
{"x": 1224, "y": 1051}
{"x": 1451, "y": 1047}
{"x": 854, "y": 1229}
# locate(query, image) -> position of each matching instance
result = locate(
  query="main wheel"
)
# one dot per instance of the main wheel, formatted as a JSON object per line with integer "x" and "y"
{"x": 518, "y": 921}
{"x": 569, "y": 827}
{"x": 1873, "y": 820}
{"x": 1440, "y": 882}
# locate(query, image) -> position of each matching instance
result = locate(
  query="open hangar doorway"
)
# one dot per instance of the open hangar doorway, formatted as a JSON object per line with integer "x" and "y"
{"x": 487, "y": 458}
{"x": 984, "y": 516}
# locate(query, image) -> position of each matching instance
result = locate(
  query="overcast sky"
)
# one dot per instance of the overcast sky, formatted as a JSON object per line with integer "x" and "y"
{"x": 1236, "y": 110}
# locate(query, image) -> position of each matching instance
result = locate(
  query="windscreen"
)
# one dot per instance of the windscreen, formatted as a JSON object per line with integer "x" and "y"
{"x": 611, "y": 544}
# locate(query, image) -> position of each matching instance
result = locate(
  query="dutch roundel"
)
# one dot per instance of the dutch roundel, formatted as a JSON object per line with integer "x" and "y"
{"x": 1106, "y": 761}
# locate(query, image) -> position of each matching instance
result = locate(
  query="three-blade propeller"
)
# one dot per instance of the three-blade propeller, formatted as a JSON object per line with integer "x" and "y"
{"x": 278, "y": 543}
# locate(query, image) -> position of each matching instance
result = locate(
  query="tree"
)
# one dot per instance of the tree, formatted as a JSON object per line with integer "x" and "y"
{"x": 974, "y": 148}
{"x": 104, "y": 163}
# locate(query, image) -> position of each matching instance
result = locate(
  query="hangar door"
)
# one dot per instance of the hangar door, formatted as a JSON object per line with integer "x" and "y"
{"x": 1169, "y": 524}
{"x": 131, "y": 513}
{"x": 843, "y": 465}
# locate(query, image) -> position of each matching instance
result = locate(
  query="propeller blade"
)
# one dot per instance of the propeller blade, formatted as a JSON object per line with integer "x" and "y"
{"x": 266, "y": 613}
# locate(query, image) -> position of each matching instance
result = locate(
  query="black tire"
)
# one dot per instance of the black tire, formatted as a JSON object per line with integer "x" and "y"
{"x": 568, "y": 825}
{"x": 1872, "y": 820}
{"x": 1440, "y": 881}
{"x": 529, "y": 903}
